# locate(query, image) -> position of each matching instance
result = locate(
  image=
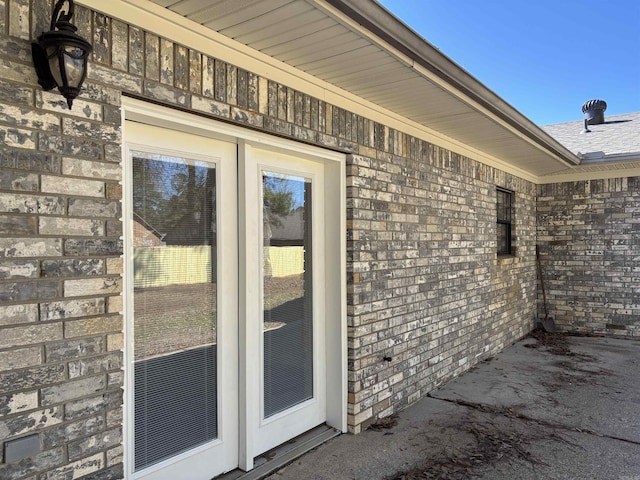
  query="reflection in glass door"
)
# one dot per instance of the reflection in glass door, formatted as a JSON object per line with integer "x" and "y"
{"x": 287, "y": 292}
{"x": 175, "y": 355}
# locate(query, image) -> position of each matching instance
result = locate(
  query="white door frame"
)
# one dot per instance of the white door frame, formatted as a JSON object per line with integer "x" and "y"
{"x": 335, "y": 273}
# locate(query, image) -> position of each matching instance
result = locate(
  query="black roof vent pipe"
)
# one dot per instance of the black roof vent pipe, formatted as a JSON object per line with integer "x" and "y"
{"x": 594, "y": 111}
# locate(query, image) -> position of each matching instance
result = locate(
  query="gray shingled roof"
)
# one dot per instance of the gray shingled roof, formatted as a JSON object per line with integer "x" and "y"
{"x": 617, "y": 139}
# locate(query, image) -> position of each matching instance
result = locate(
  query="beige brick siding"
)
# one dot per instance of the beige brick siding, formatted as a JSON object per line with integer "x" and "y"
{"x": 589, "y": 235}
{"x": 425, "y": 287}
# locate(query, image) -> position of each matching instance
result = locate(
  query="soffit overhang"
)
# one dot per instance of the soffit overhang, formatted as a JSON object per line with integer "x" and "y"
{"x": 359, "y": 53}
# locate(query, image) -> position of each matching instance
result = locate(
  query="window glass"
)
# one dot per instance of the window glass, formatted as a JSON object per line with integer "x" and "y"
{"x": 175, "y": 307}
{"x": 504, "y": 200}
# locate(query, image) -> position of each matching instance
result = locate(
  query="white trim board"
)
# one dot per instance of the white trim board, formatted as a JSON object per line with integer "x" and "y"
{"x": 167, "y": 24}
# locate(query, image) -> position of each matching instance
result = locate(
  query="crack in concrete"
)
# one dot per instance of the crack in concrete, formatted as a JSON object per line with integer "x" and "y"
{"x": 509, "y": 413}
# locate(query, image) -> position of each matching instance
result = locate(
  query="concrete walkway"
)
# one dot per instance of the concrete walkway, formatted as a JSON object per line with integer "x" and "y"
{"x": 551, "y": 407}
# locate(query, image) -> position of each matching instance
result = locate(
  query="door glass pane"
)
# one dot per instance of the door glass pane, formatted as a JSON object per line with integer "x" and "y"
{"x": 287, "y": 295}
{"x": 174, "y": 243}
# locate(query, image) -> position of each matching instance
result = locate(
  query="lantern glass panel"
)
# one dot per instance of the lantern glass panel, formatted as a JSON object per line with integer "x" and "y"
{"x": 74, "y": 65}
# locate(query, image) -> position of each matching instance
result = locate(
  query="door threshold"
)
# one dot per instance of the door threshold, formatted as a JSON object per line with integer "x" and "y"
{"x": 269, "y": 462}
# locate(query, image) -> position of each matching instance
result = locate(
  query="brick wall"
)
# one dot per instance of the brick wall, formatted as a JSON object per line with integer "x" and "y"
{"x": 425, "y": 286}
{"x": 589, "y": 235}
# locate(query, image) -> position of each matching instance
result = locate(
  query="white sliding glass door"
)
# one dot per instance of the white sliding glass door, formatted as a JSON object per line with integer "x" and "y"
{"x": 234, "y": 294}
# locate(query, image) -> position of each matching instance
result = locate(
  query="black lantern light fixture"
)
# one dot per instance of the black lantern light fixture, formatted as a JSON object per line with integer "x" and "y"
{"x": 60, "y": 55}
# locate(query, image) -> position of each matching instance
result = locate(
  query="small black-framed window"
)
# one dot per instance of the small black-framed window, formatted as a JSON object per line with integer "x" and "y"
{"x": 504, "y": 221}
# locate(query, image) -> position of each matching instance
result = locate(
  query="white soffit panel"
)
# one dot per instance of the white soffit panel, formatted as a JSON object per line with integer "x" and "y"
{"x": 317, "y": 39}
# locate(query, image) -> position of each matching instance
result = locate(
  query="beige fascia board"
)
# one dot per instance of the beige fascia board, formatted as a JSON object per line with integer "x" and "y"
{"x": 441, "y": 70}
{"x": 169, "y": 25}
{"x": 379, "y": 25}
{"x": 609, "y": 159}
{"x": 591, "y": 175}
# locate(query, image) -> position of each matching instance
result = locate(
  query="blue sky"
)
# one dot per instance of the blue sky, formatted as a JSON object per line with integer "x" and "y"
{"x": 544, "y": 57}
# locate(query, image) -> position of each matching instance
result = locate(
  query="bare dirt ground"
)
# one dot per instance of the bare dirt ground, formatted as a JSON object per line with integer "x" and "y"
{"x": 179, "y": 317}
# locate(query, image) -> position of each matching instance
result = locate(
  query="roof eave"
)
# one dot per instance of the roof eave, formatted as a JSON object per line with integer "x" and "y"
{"x": 374, "y": 17}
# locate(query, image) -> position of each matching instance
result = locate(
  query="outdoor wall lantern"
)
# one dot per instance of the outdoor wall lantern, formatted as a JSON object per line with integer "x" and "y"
{"x": 60, "y": 55}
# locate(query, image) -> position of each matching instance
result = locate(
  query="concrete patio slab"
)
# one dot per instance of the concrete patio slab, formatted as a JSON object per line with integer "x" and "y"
{"x": 551, "y": 407}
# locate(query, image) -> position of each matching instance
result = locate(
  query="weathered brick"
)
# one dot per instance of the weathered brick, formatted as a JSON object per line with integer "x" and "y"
{"x": 115, "y": 342}
{"x": 29, "y": 290}
{"x": 17, "y": 72}
{"x": 36, "y": 161}
{"x": 18, "y": 402}
{"x": 94, "y": 208}
{"x": 136, "y": 51}
{"x": 115, "y": 472}
{"x": 18, "y": 225}
{"x": 92, "y": 130}
{"x": 78, "y": 469}
{"x": 96, "y": 443}
{"x": 29, "y": 378}
{"x": 114, "y": 228}
{"x": 10, "y": 92}
{"x": 114, "y": 191}
{"x": 27, "y": 118}
{"x": 29, "y": 335}
{"x": 15, "y": 314}
{"x": 92, "y": 286}
{"x": 66, "y": 432}
{"x": 93, "y": 405}
{"x": 115, "y": 266}
{"x": 101, "y": 51}
{"x": 72, "y": 349}
{"x": 93, "y": 326}
{"x": 210, "y": 106}
{"x": 71, "y": 146}
{"x": 54, "y": 102}
{"x": 115, "y": 455}
{"x": 91, "y": 247}
{"x": 115, "y": 379}
{"x": 30, "y": 247}
{"x": 195, "y": 72}
{"x": 17, "y": 137}
{"x": 72, "y": 186}
{"x": 115, "y": 417}
{"x": 19, "y": 181}
{"x": 90, "y": 169}
{"x": 72, "y": 268}
{"x": 20, "y": 358}
{"x": 95, "y": 365}
{"x": 71, "y": 309}
{"x": 32, "y": 465}
{"x": 152, "y": 57}
{"x": 19, "y": 19}
{"x": 19, "y": 269}
{"x": 23, "y": 203}
{"x": 166, "y": 61}
{"x": 158, "y": 91}
{"x": 71, "y": 226}
{"x": 119, "y": 45}
{"x": 72, "y": 390}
